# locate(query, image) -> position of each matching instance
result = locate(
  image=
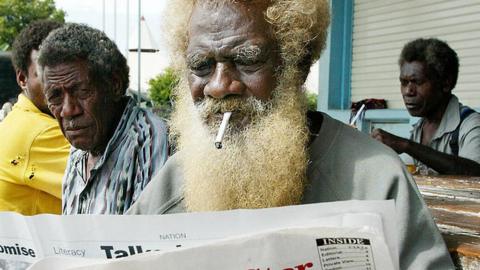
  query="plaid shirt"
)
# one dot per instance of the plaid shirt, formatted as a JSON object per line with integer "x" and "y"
{"x": 136, "y": 151}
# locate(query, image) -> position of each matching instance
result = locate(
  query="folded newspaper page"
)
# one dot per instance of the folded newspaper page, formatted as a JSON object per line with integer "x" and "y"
{"x": 299, "y": 248}
{"x": 26, "y": 240}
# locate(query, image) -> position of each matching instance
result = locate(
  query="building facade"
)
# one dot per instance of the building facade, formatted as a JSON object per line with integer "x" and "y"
{"x": 365, "y": 40}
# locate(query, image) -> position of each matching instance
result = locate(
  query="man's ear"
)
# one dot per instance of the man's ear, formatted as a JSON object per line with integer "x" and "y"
{"x": 21, "y": 79}
{"x": 117, "y": 90}
{"x": 447, "y": 85}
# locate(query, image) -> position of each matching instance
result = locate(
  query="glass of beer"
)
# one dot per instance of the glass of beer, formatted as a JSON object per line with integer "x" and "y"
{"x": 409, "y": 163}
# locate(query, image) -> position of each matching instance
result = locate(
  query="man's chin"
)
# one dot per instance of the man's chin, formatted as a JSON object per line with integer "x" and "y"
{"x": 80, "y": 144}
{"x": 415, "y": 112}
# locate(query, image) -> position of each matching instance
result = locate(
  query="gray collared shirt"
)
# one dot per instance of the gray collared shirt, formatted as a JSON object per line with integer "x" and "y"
{"x": 136, "y": 151}
{"x": 344, "y": 164}
{"x": 468, "y": 139}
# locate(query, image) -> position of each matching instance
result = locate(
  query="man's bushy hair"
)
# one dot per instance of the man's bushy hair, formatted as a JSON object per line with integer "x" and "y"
{"x": 30, "y": 39}
{"x": 74, "y": 42}
{"x": 440, "y": 60}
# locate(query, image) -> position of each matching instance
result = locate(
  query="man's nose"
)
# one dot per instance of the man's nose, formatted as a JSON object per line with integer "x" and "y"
{"x": 409, "y": 89}
{"x": 224, "y": 82}
{"x": 70, "y": 107}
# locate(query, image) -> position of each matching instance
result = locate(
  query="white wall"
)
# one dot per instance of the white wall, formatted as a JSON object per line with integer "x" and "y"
{"x": 381, "y": 28}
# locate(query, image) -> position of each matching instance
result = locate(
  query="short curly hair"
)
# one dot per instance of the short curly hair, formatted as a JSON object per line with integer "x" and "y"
{"x": 29, "y": 39}
{"x": 441, "y": 60}
{"x": 300, "y": 27}
{"x": 75, "y": 42}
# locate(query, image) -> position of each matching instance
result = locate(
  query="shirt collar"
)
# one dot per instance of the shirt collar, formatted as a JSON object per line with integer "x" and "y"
{"x": 26, "y": 104}
{"x": 450, "y": 118}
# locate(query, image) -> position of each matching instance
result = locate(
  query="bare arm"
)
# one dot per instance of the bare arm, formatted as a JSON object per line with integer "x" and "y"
{"x": 439, "y": 161}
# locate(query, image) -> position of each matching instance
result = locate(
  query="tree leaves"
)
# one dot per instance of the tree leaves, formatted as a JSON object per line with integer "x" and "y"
{"x": 16, "y": 14}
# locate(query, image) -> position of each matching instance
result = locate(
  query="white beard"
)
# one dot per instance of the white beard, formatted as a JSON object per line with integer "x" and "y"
{"x": 262, "y": 165}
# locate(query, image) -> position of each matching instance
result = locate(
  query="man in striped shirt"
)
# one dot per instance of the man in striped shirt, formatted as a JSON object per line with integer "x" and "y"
{"x": 117, "y": 146}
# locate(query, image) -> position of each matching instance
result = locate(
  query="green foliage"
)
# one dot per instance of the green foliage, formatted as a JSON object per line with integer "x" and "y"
{"x": 311, "y": 101}
{"x": 16, "y": 14}
{"x": 160, "y": 90}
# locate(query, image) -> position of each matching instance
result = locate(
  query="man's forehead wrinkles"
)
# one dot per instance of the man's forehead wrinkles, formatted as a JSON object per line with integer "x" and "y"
{"x": 221, "y": 39}
{"x": 412, "y": 73}
{"x": 220, "y": 30}
{"x": 62, "y": 77}
{"x": 226, "y": 44}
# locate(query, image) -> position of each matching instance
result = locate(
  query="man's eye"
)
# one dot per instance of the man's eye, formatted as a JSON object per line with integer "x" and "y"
{"x": 404, "y": 82}
{"x": 419, "y": 81}
{"x": 54, "y": 98}
{"x": 248, "y": 66}
{"x": 201, "y": 69}
{"x": 83, "y": 93}
{"x": 200, "y": 66}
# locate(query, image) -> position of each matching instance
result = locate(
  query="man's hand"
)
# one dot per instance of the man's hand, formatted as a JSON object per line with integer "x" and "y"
{"x": 396, "y": 143}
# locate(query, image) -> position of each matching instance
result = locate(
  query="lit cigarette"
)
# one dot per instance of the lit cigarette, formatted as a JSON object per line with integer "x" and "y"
{"x": 221, "y": 131}
{"x": 357, "y": 115}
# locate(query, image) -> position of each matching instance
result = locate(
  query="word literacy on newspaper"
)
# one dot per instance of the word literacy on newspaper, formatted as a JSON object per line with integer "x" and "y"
{"x": 69, "y": 252}
{"x": 116, "y": 252}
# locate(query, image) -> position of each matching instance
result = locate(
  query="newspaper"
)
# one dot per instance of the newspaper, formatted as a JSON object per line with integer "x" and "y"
{"x": 244, "y": 238}
{"x": 299, "y": 248}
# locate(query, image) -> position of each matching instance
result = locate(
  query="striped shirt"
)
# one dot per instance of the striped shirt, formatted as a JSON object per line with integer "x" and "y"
{"x": 136, "y": 152}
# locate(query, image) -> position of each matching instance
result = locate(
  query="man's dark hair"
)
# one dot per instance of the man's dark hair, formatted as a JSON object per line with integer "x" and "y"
{"x": 440, "y": 60}
{"x": 74, "y": 42}
{"x": 8, "y": 84}
{"x": 30, "y": 39}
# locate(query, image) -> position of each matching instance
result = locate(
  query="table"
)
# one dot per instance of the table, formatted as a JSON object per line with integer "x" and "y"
{"x": 454, "y": 202}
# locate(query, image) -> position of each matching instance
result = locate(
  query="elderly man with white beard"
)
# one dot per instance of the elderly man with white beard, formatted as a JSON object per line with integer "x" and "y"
{"x": 251, "y": 58}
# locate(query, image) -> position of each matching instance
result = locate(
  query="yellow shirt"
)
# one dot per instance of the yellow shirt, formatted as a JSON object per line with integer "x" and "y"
{"x": 33, "y": 156}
